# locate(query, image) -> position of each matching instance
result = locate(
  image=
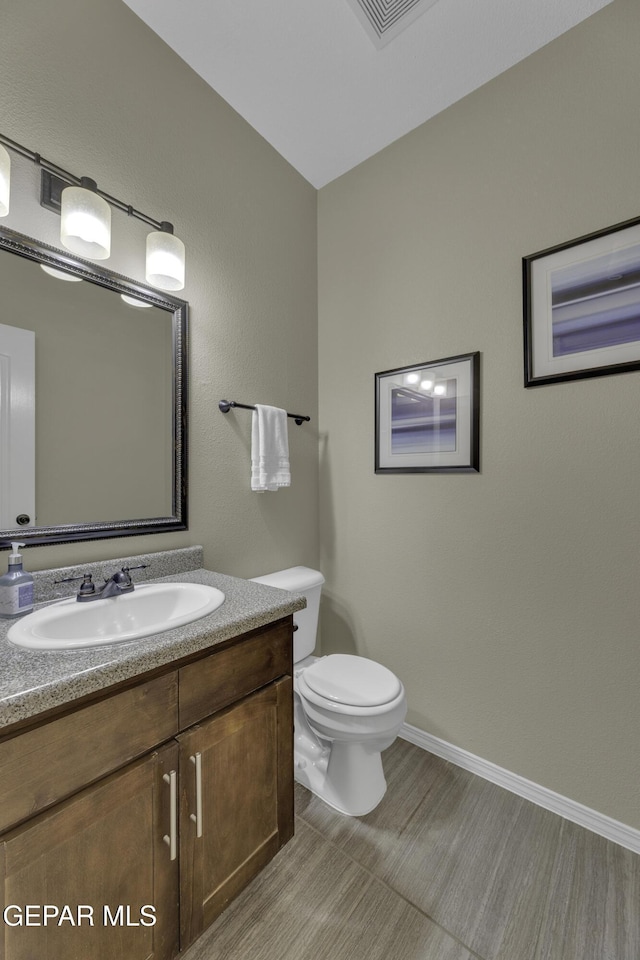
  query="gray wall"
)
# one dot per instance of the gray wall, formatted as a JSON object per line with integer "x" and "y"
{"x": 507, "y": 601}
{"x": 94, "y": 90}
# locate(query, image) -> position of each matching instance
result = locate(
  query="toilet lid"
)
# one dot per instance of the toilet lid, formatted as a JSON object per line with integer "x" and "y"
{"x": 355, "y": 681}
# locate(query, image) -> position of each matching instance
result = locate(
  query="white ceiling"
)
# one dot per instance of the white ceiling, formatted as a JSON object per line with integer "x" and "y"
{"x": 309, "y": 78}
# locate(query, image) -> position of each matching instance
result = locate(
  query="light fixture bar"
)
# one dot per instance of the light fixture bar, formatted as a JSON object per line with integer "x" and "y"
{"x": 54, "y": 179}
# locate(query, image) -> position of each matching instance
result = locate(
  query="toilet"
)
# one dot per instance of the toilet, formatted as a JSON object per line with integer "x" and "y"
{"x": 347, "y": 709}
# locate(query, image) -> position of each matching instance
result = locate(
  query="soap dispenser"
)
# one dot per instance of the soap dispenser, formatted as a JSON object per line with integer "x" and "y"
{"x": 16, "y": 587}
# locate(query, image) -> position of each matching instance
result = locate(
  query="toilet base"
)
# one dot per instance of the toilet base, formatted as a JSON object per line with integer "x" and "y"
{"x": 344, "y": 774}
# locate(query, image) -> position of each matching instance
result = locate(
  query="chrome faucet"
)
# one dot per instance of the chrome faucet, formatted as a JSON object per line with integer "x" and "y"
{"x": 118, "y": 583}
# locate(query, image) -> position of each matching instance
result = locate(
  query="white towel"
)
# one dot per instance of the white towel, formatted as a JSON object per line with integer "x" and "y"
{"x": 269, "y": 449}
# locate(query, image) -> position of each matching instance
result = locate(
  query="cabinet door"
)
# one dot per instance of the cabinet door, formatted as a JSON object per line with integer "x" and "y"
{"x": 103, "y": 850}
{"x": 236, "y": 775}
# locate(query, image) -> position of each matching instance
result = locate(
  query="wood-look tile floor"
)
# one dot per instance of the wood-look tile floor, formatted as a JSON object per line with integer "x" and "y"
{"x": 448, "y": 867}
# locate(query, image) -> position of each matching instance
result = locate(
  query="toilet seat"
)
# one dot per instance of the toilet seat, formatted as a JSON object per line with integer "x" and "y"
{"x": 353, "y": 681}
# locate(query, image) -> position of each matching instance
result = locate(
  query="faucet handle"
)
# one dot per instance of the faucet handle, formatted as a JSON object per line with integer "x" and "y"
{"x": 123, "y": 575}
{"x": 86, "y": 587}
{"x": 83, "y": 576}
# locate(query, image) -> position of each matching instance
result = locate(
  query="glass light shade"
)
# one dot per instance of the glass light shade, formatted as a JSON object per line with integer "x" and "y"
{"x": 133, "y": 302}
{"x": 165, "y": 261}
{"x": 5, "y": 181}
{"x": 85, "y": 227}
{"x": 60, "y": 274}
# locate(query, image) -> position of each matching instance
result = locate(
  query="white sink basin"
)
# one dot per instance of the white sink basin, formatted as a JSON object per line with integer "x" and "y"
{"x": 151, "y": 608}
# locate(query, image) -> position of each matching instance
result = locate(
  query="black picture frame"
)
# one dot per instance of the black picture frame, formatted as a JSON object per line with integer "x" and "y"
{"x": 427, "y": 417}
{"x": 581, "y": 304}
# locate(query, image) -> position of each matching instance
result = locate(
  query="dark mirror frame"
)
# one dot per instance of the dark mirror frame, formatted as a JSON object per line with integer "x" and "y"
{"x": 23, "y": 246}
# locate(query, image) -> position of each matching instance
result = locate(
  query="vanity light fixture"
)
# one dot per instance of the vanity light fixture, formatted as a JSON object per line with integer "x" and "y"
{"x": 85, "y": 221}
{"x": 5, "y": 181}
{"x": 86, "y": 218}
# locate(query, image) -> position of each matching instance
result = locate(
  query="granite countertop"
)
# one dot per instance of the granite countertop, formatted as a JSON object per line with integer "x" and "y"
{"x": 34, "y": 681}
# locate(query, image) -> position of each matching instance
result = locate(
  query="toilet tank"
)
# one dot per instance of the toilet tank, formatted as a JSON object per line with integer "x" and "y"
{"x": 308, "y": 582}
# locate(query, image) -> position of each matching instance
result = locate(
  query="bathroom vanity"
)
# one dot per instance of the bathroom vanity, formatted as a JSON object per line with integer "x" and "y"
{"x": 144, "y": 785}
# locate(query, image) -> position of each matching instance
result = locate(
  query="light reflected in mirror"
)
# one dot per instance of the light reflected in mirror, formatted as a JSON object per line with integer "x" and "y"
{"x": 92, "y": 400}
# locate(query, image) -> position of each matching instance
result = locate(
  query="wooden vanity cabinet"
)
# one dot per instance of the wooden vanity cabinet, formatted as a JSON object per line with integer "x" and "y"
{"x": 234, "y": 769}
{"x": 173, "y": 835}
{"x": 101, "y": 850}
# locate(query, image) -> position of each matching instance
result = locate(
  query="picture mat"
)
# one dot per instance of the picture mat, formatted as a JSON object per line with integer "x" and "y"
{"x": 459, "y": 457}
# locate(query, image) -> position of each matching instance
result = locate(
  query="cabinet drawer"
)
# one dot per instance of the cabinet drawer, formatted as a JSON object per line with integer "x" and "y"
{"x": 230, "y": 674}
{"x": 43, "y": 765}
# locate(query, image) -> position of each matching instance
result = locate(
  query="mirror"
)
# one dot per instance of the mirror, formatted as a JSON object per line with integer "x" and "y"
{"x": 93, "y": 400}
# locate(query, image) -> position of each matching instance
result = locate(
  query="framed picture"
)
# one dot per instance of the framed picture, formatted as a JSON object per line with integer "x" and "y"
{"x": 428, "y": 417}
{"x": 582, "y": 307}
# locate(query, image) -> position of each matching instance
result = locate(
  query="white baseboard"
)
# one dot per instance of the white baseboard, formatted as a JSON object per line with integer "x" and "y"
{"x": 596, "y": 822}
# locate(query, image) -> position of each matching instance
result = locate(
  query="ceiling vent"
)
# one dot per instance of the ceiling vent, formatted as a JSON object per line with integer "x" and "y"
{"x": 385, "y": 19}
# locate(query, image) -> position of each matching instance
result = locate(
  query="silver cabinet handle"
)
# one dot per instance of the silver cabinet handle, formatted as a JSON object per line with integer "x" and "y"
{"x": 197, "y": 816}
{"x": 172, "y": 839}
